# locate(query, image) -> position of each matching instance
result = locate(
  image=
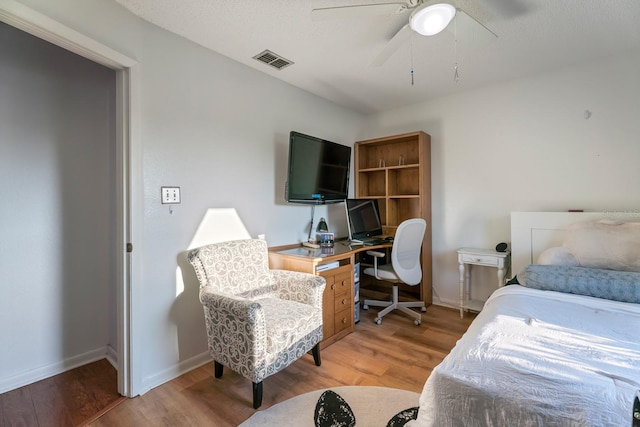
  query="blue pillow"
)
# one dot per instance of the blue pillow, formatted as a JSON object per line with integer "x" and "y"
{"x": 614, "y": 285}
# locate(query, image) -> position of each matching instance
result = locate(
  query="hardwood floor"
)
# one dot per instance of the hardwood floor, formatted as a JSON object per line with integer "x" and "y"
{"x": 394, "y": 354}
{"x": 72, "y": 398}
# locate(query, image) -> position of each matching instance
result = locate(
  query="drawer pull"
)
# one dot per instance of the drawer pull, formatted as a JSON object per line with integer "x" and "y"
{"x": 344, "y": 301}
{"x": 333, "y": 287}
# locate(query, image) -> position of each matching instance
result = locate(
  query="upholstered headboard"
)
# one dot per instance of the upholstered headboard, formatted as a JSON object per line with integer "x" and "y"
{"x": 533, "y": 232}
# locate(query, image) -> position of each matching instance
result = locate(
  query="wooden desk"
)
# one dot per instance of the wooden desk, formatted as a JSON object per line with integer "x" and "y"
{"x": 338, "y": 298}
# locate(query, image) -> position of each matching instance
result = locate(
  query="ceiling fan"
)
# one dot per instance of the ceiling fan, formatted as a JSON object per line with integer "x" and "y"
{"x": 426, "y": 17}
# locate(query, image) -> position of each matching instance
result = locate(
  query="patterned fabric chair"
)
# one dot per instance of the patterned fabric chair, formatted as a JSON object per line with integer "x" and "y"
{"x": 258, "y": 321}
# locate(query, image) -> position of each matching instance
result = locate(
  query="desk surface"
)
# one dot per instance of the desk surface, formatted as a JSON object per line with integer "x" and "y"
{"x": 339, "y": 250}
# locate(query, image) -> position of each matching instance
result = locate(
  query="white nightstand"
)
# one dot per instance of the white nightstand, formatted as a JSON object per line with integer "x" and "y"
{"x": 484, "y": 257}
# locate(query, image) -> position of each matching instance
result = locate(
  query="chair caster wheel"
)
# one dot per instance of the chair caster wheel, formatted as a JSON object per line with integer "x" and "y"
{"x": 365, "y": 307}
{"x": 423, "y": 309}
{"x": 378, "y": 320}
{"x": 417, "y": 322}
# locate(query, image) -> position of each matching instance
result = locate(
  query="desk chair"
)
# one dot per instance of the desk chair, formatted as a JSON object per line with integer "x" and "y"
{"x": 404, "y": 268}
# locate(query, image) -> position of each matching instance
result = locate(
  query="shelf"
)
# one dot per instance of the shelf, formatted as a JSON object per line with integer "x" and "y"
{"x": 404, "y": 182}
{"x": 378, "y": 169}
{"x": 396, "y": 170}
{"x": 371, "y": 184}
{"x": 400, "y": 209}
{"x": 391, "y": 182}
{"x": 391, "y": 152}
{"x": 473, "y": 305}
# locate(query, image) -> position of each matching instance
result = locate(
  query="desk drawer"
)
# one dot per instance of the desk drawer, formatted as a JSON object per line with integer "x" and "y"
{"x": 480, "y": 259}
{"x": 342, "y": 301}
{"x": 343, "y": 282}
{"x": 342, "y": 320}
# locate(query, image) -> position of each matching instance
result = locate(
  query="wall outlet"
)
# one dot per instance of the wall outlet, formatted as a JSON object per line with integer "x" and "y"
{"x": 170, "y": 195}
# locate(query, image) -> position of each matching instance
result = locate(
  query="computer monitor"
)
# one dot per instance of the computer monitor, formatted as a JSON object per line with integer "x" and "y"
{"x": 363, "y": 219}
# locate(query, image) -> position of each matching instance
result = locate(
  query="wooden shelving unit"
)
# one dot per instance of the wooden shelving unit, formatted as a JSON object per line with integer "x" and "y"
{"x": 396, "y": 170}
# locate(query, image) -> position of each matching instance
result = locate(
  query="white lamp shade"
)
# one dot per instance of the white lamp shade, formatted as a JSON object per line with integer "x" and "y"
{"x": 430, "y": 20}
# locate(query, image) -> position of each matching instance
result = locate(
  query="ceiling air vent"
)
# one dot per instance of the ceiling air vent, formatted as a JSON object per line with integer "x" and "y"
{"x": 272, "y": 59}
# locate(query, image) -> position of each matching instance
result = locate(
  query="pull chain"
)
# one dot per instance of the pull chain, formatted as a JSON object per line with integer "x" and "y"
{"x": 411, "y": 55}
{"x": 456, "y": 76}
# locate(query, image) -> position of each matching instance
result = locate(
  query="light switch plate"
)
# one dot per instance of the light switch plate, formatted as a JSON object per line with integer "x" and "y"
{"x": 170, "y": 195}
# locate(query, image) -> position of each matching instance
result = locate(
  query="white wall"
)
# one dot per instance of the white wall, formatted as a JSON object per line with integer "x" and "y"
{"x": 219, "y": 130}
{"x": 525, "y": 145}
{"x": 57, "y": 216}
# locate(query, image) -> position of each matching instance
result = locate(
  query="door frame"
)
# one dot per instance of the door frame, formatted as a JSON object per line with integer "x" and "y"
{"x": 128, "y": 172}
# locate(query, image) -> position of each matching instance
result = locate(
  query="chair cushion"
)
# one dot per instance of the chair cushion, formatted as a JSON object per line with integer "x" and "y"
{"x": 239, "y": 267}
{"x": 385, "y": 272}
{"x": 287, "y": 322}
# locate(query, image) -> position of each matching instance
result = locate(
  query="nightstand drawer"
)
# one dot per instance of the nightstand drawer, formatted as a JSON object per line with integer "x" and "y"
{"x": 480, "y": 259}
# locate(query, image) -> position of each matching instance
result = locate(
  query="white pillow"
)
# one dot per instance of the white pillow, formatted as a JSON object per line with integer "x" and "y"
{"x": 558, "y": 255}
{"x": 605, "y": 244}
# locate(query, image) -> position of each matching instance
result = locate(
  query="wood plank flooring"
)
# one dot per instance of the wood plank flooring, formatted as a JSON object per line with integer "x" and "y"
{"x": 394, "y": 354}
{"x": 72, "y": 398}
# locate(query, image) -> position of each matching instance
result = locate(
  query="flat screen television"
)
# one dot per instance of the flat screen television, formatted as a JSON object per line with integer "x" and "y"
{"x": 363, "y": 219}
{"x": 318, "y": 170}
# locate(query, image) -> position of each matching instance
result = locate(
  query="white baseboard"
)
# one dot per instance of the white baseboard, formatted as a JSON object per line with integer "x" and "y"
{"x": 31, "y": 376}
{"x": 112, "y": 356}
{"x": 175, "y": 371}
{"x": 446, "y": 303}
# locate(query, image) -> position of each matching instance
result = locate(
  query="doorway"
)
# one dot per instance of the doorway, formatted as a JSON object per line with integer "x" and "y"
{"x": 128, "y": 209}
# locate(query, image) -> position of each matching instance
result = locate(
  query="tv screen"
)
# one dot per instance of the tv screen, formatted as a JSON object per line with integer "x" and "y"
{"x": 364, "y": 218}
{"x": 318, "y": 170}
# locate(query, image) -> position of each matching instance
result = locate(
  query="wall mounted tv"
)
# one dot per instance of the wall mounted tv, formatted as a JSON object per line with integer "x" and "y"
{"x": 318, "y": 170}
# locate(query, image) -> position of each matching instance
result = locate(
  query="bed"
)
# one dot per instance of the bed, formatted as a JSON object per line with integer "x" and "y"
{"x": 558, "y": 347}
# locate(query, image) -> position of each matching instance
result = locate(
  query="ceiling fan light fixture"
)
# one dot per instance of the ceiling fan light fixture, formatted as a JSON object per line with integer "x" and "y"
{"x": 430, "y": 20}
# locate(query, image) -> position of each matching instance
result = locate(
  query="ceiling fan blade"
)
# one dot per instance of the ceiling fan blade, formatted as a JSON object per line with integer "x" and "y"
{"x": 357, "y": 11}
{"x": 392, "y": 45}
{"x": 469, "y": 32}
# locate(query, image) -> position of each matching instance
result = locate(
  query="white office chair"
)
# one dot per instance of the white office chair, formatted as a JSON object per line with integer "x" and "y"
{"x": 404, "y": 268}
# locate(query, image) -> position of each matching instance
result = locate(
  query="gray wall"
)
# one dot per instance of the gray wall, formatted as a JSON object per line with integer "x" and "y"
{"x": 57, "y": 217}
{"x": 217, "y": 129}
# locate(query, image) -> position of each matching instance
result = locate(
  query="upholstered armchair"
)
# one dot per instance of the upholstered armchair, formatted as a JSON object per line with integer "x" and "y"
{"x": 258, "y": 320}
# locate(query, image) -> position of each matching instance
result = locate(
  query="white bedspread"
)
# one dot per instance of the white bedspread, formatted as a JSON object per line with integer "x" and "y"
{"x": 539, "y": 358}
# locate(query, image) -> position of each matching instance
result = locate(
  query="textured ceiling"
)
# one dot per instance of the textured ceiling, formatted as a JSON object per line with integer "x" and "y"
{"x": 332, "y": 57}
